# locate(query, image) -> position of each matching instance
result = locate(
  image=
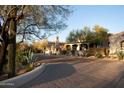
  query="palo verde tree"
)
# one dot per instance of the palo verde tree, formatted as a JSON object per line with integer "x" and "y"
{"x": 99, "y": 35}
{"x": 71, "y": 37}
{"x": 81, "y": 35}
{"x": 28, "y": 22}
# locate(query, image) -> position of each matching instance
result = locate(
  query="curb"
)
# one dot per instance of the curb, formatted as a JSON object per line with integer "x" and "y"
{"x": 24, "y": 78}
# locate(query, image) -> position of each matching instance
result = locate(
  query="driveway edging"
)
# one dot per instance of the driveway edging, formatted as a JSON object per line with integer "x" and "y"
{"x": 24, "y": 78}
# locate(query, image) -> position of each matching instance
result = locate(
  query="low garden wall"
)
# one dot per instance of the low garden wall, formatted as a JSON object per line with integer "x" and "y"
{"x": 103, "y": 51}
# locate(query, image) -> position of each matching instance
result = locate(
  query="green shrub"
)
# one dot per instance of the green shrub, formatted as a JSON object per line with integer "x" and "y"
{"x": 120, "y": 55}
{"x": 29, "y": 68}
{"x": 24, "y": 56}
{"x": 63, "y": 52}
{"x": 98, "y": 55}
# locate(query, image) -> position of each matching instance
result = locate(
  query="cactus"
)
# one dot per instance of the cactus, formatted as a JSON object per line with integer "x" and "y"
{"x": 25, "y": 57}
{"x": 98, "y": 55}
{"x": 120, "y": 55}
{"x": 29, "y": 56}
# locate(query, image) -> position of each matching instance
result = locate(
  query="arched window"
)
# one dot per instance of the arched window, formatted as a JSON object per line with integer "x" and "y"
{"x": 122, "y": 45}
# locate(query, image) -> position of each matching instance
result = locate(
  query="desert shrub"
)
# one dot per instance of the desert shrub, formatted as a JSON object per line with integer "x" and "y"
{"x": 63, "y": 52}
{"x": 86, "y": 54}
{"x": 29, "y": 68}
{"x": 120, "y": 55}
{"x": 73, "y": 52}
{"x": 24, "y": 57}
{"x": 20, "y": 57}
{"x": 98, "y": 55}
{"x": 35, "y": 50}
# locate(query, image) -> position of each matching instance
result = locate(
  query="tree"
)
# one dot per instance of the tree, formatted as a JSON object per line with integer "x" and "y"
{"x": 28, "y": 22}
{"x": 45, "y": 20}
{"x": 8, "y": 37}
{"x": 84, "y": 35}
{"x": 39, "y": 21}
{"x": 101, "y": 35}
{"x": 40, "y": 45}
{"x": 71, "y": 37}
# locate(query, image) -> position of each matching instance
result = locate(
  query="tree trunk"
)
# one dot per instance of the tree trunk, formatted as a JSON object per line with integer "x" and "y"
{"x": 12, "y": 48}
{"x": 3, "y": 50}
{"x": 3, "y": 60}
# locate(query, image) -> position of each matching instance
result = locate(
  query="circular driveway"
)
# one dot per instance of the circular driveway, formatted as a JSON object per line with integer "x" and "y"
{"x": 85, "y": 72}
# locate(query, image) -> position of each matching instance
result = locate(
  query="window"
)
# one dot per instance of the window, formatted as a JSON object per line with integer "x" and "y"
{"x": 122, "y": 45}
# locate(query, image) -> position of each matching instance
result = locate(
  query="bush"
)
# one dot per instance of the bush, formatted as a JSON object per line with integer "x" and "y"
{"x": 120, "y": 55}
{"x": 29, "y": 68}
{"x": 35, "y": 50}
{"x": 98, "y": 55}
{"x": 24, "y": 57}
{"x": 63, "y": 52}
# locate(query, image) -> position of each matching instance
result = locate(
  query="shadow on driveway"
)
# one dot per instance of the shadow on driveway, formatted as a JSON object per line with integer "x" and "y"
{"x": 52, "y": 72}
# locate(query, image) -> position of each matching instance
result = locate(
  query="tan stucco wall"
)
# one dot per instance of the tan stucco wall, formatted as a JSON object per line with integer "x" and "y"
{"x": 115, "y": 43}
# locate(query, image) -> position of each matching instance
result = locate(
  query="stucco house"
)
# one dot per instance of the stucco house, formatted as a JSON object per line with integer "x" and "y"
{"x": 54, "y": 47}
{"x": 116, "y": 43}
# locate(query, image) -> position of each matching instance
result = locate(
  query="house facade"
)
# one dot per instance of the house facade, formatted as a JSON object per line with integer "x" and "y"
{"x": 116, "y": 43}
{"x": 54, "y": 47}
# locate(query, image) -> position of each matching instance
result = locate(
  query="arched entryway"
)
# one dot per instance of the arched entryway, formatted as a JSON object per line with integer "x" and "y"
{"x": 74, "y": 47}
{"x": 68, "y": 47}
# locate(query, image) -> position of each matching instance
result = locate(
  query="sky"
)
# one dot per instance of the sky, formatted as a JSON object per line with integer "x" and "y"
{"x": 110, "y": 17}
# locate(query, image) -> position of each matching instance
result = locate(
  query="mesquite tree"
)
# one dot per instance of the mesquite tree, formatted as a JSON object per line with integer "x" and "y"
{"x": 28, "y": 22}
{"x": 12, "y": 43}
{"x": 8, "y": 35}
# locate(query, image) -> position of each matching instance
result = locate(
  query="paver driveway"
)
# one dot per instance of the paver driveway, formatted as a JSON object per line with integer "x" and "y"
{"x": 81, "y": 73}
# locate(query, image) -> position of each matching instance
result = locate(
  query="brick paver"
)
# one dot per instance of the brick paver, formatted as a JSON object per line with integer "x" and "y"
{"x": 84, "y": 72}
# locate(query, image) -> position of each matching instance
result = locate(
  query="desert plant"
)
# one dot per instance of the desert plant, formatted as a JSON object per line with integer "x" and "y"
{"x": 120, "y": 55}
{"x": 24, "y": 57}
{"x": 29, "y": 56}
{"x": 98, "y": 55}
{"x": 20, "y": 57}
{"x": 29, "y": 68}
